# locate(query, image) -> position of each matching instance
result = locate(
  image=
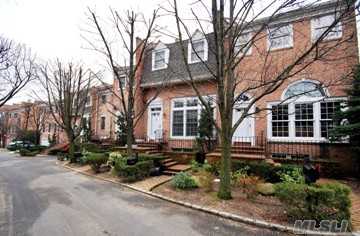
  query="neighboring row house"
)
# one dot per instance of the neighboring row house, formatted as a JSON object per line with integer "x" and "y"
{"x": 292, "y": 129}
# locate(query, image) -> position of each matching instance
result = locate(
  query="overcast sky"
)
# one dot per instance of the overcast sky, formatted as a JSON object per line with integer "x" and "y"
{"x": 53, "y": 28}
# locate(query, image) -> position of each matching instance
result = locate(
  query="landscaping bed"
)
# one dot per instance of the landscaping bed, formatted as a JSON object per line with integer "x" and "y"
{"x": 263, "y": 208}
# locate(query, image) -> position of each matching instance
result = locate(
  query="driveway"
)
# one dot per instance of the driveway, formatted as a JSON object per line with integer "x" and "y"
{"x": 39, "y": 198}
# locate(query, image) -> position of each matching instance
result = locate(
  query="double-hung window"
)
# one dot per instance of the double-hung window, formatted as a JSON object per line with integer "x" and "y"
{"x": 327, "y": 119}
{"x": 102, "y": 122}
{"x": 88, "y": 101}
{"x": 198, "y": 51}
{"x": 160, "y": 59}
{"x": 185, "y": 117}
{"x": 280, "y": 37}
{"x": 304, "y": 120}
{"x": 243, "y": 45}
{"x": 280, "y": 120}
{"x": 320, "y": 24}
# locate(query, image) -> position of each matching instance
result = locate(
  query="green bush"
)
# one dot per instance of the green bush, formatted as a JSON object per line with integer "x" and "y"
{"x": 266, "y": 171}
{"x": 95, "y": 160}
{"x": 198, "y": 167}
{"x": 90, "y": 147}
{"x": 315, "y": 202}
{"x": 27, "y": 153}
{"x": 132, "y": 173}
{"x": 113, "y": 158}
{"x": 183, "y": 180}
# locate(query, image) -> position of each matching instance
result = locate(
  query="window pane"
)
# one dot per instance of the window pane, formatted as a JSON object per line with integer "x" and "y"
{"x": 280, "y": 121}
{"x": 280, "y": 37}
{"x": 304, "y": 124}
{"x": 192, "y": 102}
{"x": 198, "y": 48}
{"x": 321, "y": 24}
{"x": 178, "y": 123}
{"x": 102, "y": 125}
{"x": 305, "y": 88}
{"x": 191, "y": 122}
{"x": 328, "y": 112}
{"x": 178, "y": 104}
{"x": 159, "y": 59}
{"x": 242, "y": 44}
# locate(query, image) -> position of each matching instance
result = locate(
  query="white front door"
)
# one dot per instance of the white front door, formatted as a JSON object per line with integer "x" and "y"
{"x": 245, "y": 131}
{"x": 155, "y": 123}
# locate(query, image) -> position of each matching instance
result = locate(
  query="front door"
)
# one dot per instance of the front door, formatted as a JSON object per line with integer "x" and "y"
{"x": 244, "y": 132}
{"x": 155, "y": 123}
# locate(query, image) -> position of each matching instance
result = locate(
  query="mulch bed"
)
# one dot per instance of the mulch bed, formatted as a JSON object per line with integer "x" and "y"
{"x": 265, "y": 208}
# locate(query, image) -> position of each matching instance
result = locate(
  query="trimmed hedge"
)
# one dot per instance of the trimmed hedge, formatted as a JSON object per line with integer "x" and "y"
{"x": 132, "y": 173}
{"x": 264, "y": 170}
{"x": 315, "y": 202}
{"x": 27, "y": 153}
{"x": 95, "y": 160}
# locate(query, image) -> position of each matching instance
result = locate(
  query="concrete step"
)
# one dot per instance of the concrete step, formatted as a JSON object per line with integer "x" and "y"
{"x": 179, "y": 168}
{"x": 238, "y": 156}
{"x": 170, "y": 164}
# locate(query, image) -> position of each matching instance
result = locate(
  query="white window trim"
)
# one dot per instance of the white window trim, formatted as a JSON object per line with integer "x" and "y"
{"x": 123, "y": 85}
{"x": 327, "y": 38}
{"x": 166, "y": 55}
{"x": 291, "y": 43}
{"x": 190, "y": 48}
{"x": 90, "y": 101}
{"x": 249, "y": 51}
{"x": 317, "y": 118}
{"x": 184, "y": 108}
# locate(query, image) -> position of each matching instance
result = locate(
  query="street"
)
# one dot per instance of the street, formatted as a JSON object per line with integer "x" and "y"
{"x": 37, "y": 197}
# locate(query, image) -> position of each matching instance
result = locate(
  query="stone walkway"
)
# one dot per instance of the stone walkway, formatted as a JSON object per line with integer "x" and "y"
{"x": 152, "y": 182}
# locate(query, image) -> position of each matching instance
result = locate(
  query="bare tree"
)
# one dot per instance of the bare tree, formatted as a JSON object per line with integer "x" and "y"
{"x": 67, "y": 88}
{"x": 17, "y": 68}
{"x": 231, "y": 73}
{"x": 39, "y": 115}
{"x": 131, "y": 105}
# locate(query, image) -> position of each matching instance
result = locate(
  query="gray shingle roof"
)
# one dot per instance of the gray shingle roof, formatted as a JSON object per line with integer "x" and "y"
{"x": 176, "y": 70}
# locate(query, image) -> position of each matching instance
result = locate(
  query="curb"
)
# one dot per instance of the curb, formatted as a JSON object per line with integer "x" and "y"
{"x": 226, "y": 215}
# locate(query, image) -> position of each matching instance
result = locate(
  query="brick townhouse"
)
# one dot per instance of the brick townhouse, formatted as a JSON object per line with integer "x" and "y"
{"x": 297, "y": 127}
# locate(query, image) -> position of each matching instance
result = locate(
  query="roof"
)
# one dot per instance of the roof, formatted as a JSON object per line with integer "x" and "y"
{"x": 176, "y": 70}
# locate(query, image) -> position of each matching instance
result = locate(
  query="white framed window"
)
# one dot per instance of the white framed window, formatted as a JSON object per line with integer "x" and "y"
{"x": 280, "y": 37}
{"x": 160, "y": 59}
{"x": 243, "y": 44}
{"x": 88, "y": 101}
{"x": 320, "y": 24}
{"x": 197, "y": 50}
{"x": 305, "y": 117}
{"x": 185, "y": 115}
{"x": 122, "y": 82}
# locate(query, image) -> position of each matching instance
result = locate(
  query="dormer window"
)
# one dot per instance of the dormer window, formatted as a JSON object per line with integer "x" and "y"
{"x": 197, "y": 48}
{"x": 321, "y": 24}
{"x": 88, "y": 101}
{"x": 160, "y": 57}
{"x": 280, "y": 37}
{"x": 243, "y": 45}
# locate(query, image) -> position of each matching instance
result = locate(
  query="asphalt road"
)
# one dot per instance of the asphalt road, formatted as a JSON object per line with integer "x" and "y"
{"x": 39, "y": 198}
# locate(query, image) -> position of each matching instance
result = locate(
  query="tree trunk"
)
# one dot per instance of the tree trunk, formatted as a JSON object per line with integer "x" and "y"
{"x": 225, "y": 168}
{"x": 130, "y": 138}
{"x": 71, "y": 147}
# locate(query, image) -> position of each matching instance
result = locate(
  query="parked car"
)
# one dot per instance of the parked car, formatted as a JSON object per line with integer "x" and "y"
{"x": 16, "y": 145}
